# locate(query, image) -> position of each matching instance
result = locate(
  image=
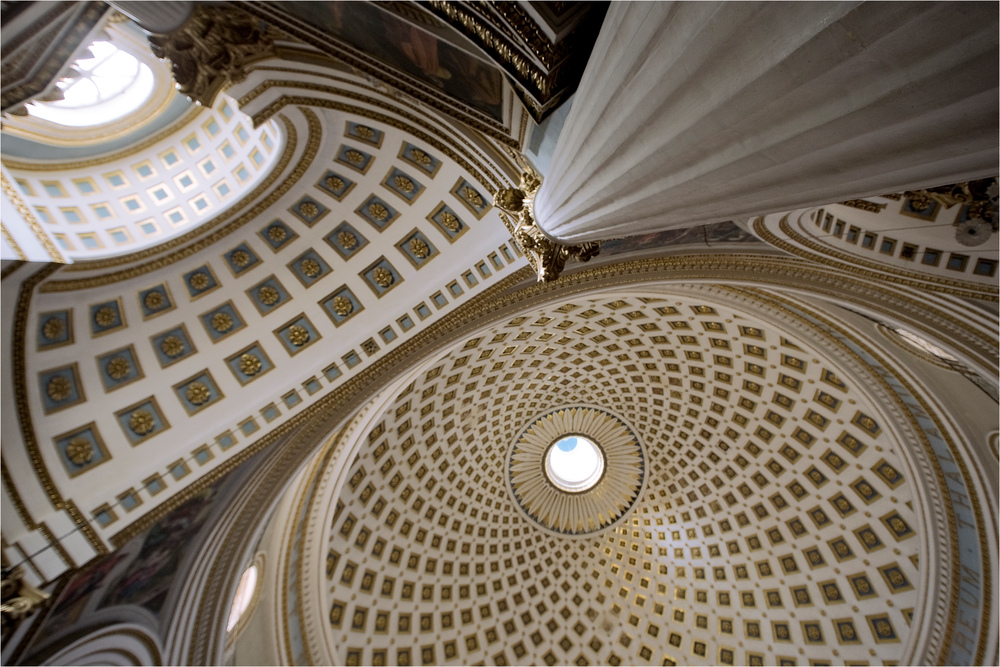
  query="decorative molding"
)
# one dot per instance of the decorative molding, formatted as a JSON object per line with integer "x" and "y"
{"x": 29, "y": 218}
{"x": 864, "y": 205}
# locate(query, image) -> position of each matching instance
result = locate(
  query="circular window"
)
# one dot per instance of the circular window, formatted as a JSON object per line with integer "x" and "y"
{"x": 574, "y": 463}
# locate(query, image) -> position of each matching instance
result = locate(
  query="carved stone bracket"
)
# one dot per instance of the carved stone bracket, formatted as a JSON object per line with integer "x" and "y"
{"x": 548, "y": 258}
{"x": 213, "y": 49}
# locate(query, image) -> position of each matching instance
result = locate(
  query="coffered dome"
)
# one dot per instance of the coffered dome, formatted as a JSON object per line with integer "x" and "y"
{"x": 776, "y": 519}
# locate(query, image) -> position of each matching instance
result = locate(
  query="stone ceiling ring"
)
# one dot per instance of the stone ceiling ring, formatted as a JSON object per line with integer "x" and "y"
{"x": 576, "y": 470}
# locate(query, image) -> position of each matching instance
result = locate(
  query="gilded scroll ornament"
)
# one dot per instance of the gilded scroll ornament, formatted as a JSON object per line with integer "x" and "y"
{"x": 197, "y": 393}
{"x": 404, "y": 184}
{"x": 118, "y": 368}
{"x": 548, "y": 258}
{"x": 241, "y": 258}
{"x": 172, "y": 346}
{"x": 342, "y": 305}
{"x": 212, "y": 49}
{"x": 310, "y": 267}
{"x": 980, "y": 197}
{"x": 250, "y": 364}
{"x": 141, "y": 422}
{"x": 309, "y": 209}
{"x": 268, "y": 295}
{"x": 419, "y": 249}
{"x": 276, "y": 233}
{"x": 378, "y": 211}
{"x": 105, "y": 316}
{"x": 80, "y": 450}
{"x": 334, "y": 183}
{"x": 222, "y": 322}
{"x": 347, "y": 240}
{"x": 382, "y": 276}
{"x": 198, "y": 281}
{"x": 299, "y": 336}
{"x": 154, "y": 300}
{"x": 53, "y": 328}
{"x": 59, "y": 388}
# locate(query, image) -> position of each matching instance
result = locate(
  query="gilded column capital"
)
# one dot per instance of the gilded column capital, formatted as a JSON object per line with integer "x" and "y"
{"x": 213, "y": 49}
{"x": 548, "y": 258}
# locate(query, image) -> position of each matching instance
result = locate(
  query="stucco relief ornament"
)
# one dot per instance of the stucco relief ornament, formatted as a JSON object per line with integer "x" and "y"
{"x": 404, "y": 184}
{"x": 118, "y": 368}
{"x": 59, "y": 388}
{"x": 276, "y": 233}
{"x": 80, "y": 451}
{"x": 419, "y": 249}
{"x": 382, "y": 276}
{"x": 420, "y": 157}
{"x": 364, "y": 131}
{"x": 334, "y": 183}
{"x": 105, "y": 316}
{"x": 154, "y": 300}
{"x": 197, "y": 393}
{"x": 378, "y": 211}
{"x": 212, "y": 49}
{"x": 172, "y": 346}
{"x": 241, "y": 258}
{"x": 347, "y": 240}
{"x": 268, "y": 295}
{"x": 309, "y": 209}
{"x": 141, "y": 422}
{"x": 222, "y": 322}
{"x": 354, "y": 157}
{"x": 53, "y": 328}
{"x": 450, "y": 222}
{"x": 548, "y": 258}
{"x": 299, "y": 336}
{"x": 310, "y": 267}
{"x": 199, "y": 281}
{"x": 250, "y": 364}
{"x": 342, "y": 305}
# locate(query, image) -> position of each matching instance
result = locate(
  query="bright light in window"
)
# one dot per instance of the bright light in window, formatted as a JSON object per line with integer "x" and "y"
{"x": 922, "y": 343}
{"x": 244, "y": 593}
{"x": 574, "y": 464}
{"x": 102, "y": 88}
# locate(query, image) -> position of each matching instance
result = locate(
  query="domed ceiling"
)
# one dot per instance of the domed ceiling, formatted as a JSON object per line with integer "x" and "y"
{"x": 776, "y": 526}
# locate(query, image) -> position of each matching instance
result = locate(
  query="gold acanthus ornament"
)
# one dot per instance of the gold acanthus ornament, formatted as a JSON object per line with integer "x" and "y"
{"x": 310, "y": 267}
{"x": 172, "y": 346}
{"x": 212, "y": 49}
{"x": 268, "y": 295}
{"x": 276, "y": 233}
{"x": 222, "y": 322}
{"x": 309, "y": 209}
{"x": 198, "y": 281}
{"x": 105, "y": 316}
{"x": 154, "y": 300}
{"x": 118, "y": 368}
{"x": 548, "y": 258}
{"x": 347, "y": 240}
{"x": 334, "y": 183}
{"x": 364, "y": 131}
{"x": 378, "y": 211}
{"x": 355, "y": 157}
{"x": 404, "y": 184}
{"x": 197, "y": 393}
{"x": 241, "y": 258}
{"x": 420, "y": 157}
{"x": 59, "y": 388}
{"x": 419, "y": 248}
{"x": 450, "y": 222}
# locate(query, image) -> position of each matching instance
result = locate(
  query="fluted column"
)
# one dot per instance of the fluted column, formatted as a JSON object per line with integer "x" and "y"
{"x": 697, "y": 112}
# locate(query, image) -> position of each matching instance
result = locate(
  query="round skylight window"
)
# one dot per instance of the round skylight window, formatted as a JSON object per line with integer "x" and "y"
{"x": 104, "y": 85}
{"x": 574, "y": 463}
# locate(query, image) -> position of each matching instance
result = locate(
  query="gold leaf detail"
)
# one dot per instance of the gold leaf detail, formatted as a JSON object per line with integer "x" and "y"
{"x": 342, "y": 305}
{"x": 53, "y": 328}
{"x": 198, "y": 281}
{"x": 80, "y": 451}
{"x": 59, "y": 388}
{"x": 347, "y": 240}
{"x": 276, "y": 233}
{"x": 404, "y": 184}
{"x": 378, "y": 211}
{"x": 364, "y": 131}
{"x": 118, "y": 368}
{"x": 419, "y": 249}
{"x": 268, "y": 295}
{"x": 197, "y": 393}
{"x": 141, "y": 422}
{"x": 105, "y": 316}
{"x": 310, "y": 267}
{"x": 250, "y": 364}
{"x": 354, "y": 156}
{"x": 240, "y": 258}
{"x": 309, "y": 209}
{"x": 154, "y": 300}
{"x": 298, "y": 335}
{"x": 334, "y": 183}
{"x": 382, "y": 276}
{"x": 172, "y": 346}
{"x": 222, "y": 322}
